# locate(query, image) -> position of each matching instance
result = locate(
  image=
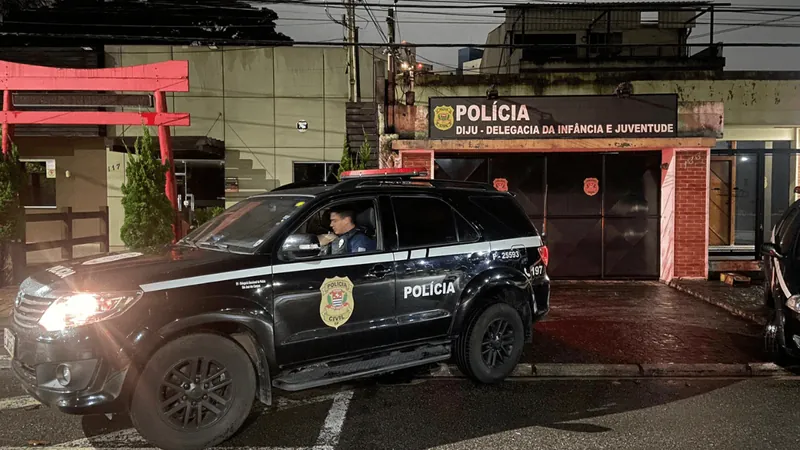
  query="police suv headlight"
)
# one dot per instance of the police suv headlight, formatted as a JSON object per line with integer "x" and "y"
{"x": 82, "y": 308}
{"x": 794, "y": 303}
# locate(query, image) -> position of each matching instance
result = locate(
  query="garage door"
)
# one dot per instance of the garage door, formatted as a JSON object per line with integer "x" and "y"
{"x": 600, "y": 212}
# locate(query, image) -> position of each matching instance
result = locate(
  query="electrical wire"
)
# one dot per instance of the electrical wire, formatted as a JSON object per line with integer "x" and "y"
{"x": 483, "y": 4}
{"x": 377, "y": 25}
{"x": 324, "y": 43}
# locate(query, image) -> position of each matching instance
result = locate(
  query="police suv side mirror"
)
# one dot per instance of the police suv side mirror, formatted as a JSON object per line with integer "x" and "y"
{"x": 300, "y": 246}
{"x": 770, "y": 249}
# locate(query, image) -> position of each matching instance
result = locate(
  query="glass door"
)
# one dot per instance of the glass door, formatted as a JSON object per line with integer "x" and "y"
{"x": 751, "y": 185}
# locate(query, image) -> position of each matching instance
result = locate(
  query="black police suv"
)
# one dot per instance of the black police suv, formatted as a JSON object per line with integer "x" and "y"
{"x": 782, "y": 286}
{"x": 263, "y": 297}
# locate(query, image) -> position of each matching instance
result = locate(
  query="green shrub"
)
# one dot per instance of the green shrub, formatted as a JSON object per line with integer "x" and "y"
{"x": 148, "y": 213}
{"x": 12, "y": 214}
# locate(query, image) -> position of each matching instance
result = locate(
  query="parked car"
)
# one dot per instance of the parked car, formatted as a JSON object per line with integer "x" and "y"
{"x": 782, "y": 286}
{"x": 262, "y": 298}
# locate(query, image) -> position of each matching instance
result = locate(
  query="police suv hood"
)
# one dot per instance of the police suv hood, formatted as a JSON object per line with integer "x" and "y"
{"x": 125, "y": 271}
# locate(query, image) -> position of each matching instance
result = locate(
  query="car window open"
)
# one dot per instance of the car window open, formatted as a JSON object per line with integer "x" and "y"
{"x": 362, "y": 238}
{"x": 246, "y": 225}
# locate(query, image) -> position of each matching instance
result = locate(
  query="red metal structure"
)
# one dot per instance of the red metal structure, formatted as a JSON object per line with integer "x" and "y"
{"x": 158, "y": 78}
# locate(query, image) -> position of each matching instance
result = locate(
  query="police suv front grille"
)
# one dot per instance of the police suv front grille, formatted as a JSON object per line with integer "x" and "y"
{"x": 29, "y": 310}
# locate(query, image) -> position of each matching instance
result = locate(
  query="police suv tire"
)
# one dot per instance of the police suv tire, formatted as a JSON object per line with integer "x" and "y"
{"x": 145, "y": 409}
{"x": 468, "y": 345}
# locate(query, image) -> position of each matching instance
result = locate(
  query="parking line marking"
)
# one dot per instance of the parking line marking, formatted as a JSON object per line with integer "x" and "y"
{"x": 128, "y": 436}
{"x": 332, "y": 429}
{"x": 123, "y": 439}
{"x": 23, "y": 401}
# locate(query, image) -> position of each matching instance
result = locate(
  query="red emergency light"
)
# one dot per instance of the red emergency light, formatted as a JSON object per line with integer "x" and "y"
{"x": 405, "y": 172}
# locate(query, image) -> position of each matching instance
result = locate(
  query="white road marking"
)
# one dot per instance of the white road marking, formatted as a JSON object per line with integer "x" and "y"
{"x": 20, "y": 402}
{"x": 5, "y": 362}
{"x": 327, "y": 440}
{"x": 282, "y": 403}
{"x": 332, "y": 429}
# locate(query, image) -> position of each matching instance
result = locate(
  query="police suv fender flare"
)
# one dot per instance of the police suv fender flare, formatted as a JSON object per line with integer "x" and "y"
{"x": 256, "y": 324}
{"x": 473, "y": 296}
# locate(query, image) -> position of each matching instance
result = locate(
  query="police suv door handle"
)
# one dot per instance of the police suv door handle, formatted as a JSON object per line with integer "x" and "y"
{"x": 378, "y": 271}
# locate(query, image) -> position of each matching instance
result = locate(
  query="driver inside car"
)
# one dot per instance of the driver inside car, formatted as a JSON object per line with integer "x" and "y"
{"x": 346, "y": 236}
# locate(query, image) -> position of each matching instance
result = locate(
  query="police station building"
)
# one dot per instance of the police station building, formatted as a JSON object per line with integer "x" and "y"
{"x": 617, "y": 184}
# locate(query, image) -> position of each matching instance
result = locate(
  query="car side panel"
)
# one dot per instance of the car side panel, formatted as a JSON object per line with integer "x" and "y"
{"x": 429, "y": 283}
{"x": 475, "y": 294}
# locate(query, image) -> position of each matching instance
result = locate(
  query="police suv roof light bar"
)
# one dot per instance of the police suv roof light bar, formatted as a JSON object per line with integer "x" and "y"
{"x": 406, "y": 172}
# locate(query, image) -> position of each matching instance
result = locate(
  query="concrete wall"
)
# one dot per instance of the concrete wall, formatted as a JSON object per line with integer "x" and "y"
{"x": 83, "y": 190}
{"x": 252, "y": 98}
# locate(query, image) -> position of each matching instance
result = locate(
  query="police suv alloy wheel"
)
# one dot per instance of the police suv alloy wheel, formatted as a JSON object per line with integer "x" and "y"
{"x": 491, "y": 345}
{"x": 194, "y": 393}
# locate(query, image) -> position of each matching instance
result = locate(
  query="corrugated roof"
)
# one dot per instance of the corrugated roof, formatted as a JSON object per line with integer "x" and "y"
{"x": 614, "y": 5}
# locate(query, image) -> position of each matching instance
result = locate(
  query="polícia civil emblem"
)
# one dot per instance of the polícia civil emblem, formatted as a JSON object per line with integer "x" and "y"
{"x": 337, "y": 303}
{"x": 443, "y": 117}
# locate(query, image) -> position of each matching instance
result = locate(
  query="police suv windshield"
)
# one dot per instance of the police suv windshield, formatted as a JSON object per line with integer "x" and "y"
{"x": 246, "y": 225}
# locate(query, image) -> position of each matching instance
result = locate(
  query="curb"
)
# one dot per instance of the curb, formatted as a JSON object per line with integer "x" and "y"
{"x": 752, "y": 317}
{"x": 659, "y": 370}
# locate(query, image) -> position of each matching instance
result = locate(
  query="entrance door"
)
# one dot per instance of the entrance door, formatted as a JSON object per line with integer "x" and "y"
{"x": 600, "y": 213}
{"x": 720, "y": 201}
{"x": 200, "y": 185}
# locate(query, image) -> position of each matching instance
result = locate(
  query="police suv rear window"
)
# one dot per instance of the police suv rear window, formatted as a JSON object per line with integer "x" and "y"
{"x": 424, "y": 221}
{"x": 507, "y": 214}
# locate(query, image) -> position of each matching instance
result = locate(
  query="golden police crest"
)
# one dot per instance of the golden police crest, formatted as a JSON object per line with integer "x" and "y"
{"x": 443, "y": 117}
{"x": 337, "y": 302}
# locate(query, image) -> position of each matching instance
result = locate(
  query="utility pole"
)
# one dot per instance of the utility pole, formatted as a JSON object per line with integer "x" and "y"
{"x": 352, "y": 51}
{"x": 391, "y": 74}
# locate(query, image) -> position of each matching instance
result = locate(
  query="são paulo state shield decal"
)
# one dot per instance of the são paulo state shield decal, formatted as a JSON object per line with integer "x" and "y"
{"x": 337, "y": 303}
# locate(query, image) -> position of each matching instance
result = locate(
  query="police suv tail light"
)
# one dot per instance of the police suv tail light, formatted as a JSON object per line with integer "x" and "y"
{"x": 544, "y": 253}
{"x": 794, "y": 303}
{"x": 82, "y": 308}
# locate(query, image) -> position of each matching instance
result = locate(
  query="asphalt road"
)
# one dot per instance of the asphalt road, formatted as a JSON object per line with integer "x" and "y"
{"x": 454, "y": 414}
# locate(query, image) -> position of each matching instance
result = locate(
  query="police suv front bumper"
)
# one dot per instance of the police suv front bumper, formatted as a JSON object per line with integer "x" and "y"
{"x": 72, "y": 371}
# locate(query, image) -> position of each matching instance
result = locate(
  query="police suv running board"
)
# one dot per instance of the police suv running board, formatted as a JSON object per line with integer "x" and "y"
{"x": 323, "y": 375}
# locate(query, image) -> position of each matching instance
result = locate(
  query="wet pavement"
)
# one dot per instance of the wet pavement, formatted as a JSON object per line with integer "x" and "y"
{"x": 744, "y": 301}
{"x": 639, "y": 323}
{"x": 451, "y": 414}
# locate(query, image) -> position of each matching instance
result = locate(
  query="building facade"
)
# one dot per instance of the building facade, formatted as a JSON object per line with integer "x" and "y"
{"x": 261, "y": 117}
{"x": 689, "y": 187}
{"x": 700, "y": 198}
{"x": 600, "y": 36}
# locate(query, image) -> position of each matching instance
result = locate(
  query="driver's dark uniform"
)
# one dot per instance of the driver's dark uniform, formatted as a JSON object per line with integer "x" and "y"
{"x": 354, "y": 241}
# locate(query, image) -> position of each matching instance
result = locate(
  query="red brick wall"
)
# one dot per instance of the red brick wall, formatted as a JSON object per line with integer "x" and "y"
{"x": 667, "y": 215}
{"x": 691, "y": 214}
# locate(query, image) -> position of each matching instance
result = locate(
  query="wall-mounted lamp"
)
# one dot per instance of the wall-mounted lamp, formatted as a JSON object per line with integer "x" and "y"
{"x": 664, "y": 166}
{"x": 66, "y": 173}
